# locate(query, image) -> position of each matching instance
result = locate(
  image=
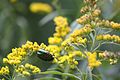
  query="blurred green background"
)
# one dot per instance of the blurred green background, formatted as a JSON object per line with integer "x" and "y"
{"x": 18, "y": 24}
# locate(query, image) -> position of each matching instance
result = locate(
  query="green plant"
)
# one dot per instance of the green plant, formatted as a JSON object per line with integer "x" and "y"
{"x": 76, "y": 52}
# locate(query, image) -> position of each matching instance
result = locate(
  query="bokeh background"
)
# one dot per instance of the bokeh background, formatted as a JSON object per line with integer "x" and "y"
{"x": 19, "y": 24}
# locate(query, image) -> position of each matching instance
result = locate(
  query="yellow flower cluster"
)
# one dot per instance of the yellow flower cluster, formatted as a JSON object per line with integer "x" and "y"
{"x": 113, "y": 61}
{"x": 89, "y": 18}
{"x": 70, "y": 59}
{"x": 31, "y": 47}
{"x": 77, "y": 35}
{"x": 54, "y": 40}
{"x": 84, "y": 19}
{"x": 102, "y": 55}
{"x": 42, "y": 46}
{"x": 65, "y": 52}
{"x": 4, "y": 70}
{"x": 54, "y": 50}
{"x": 85, "y": 9}
{"x": 66, "y": 45}
{"x": 96, "y": 12}
{"x": 33, "y": 68}
{"x": 108, "y": 37}
{"x": 28, "y": 69}
{"x": 111, "y": 24}
{"x": 91, "y": 12}
{"x": 18, "y": 54}
{"x": 60, "y": 21}
{"x": 92, "y": 16}
{"x": 82, "y": 31}
{"x": 66, "y": 42}
{"x": 62, "y": 59}
{"x": 79, "y": 40}
{"x": 40, "y": 7}
{"x": 92, "y": 62}
{"x": 21, "y": 69}
{"x": 110, "y": 56}
{"x": 62, "y": 28}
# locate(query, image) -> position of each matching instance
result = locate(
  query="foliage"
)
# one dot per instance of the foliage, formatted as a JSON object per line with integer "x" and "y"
{"x": 76, "y": 53}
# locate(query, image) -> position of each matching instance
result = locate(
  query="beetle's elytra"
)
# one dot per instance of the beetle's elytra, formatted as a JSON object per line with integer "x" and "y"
{"x": 44, "y": 55}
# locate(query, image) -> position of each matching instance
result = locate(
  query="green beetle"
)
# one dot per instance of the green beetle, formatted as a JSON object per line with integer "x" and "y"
{"x": 44, "y": 55}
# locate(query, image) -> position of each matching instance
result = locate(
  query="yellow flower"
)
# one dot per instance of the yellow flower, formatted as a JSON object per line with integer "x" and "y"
{"x": 62, "y": 31}
{"x": 62, "y": 28}
{"x": 99, "y": 37}
{"x": 28, "y": 69}
{"x": 111, "y": 24}
{"x": 60, "y": 21}
{"x": 18, "y": 54}
{"x": 77, "y": 36}
{"x": 92, "y": 61}
{"x": 96, "y": 12}
{"x": 26, "y": 73}
{"x": 69, "y": 59}
{"x": 108, "y": 37}
{"x": 31, "y": 46}
{"x": 66, "y": 45}
{"x": 113, "y": 61}
{"x": 82, "y": 31}
{"x": 54, "y": 40}
{"x": 36, "y": 47}
{"x": 54, "y": 50}
{"x": 83, "y": 19}
{"x": 33, "y": 68}
{"x": 20, "y": 69}
{"x": 115, "y": 25}
{"x": 101, "y": 55}
{"x": 78, "y": 40}
{"x": 40, "y": 7}
{"x": 4, "y": 70}
{"x": 79, "y": 53}
{"x": 84, "y": 9}
{"x": 42, "y": 46}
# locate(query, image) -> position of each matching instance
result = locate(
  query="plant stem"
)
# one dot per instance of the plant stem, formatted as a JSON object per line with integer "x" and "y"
{"x": 57, "y": 5}
{"x": 90, "y": 74}
{"x": 13, "y": 76}
{"x": 93, "y": 42}
{"x": 96, "y": 77}
{"x": 79, "y": 72}
{"x": 60, "y": 73}
{"x": 66, "y": 70}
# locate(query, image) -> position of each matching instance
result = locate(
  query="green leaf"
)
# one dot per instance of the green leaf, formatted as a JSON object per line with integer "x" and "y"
{"x": 51, "y": 16}
{"x": 49, "y": 78}
{"x": 74, "y": 25}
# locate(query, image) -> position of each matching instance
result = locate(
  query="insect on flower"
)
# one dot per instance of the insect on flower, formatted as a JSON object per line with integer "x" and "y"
{"x": 44, "y": 55}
